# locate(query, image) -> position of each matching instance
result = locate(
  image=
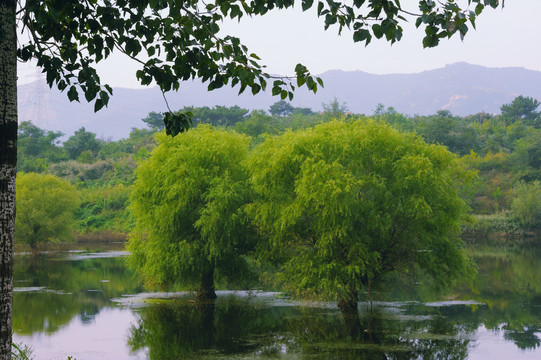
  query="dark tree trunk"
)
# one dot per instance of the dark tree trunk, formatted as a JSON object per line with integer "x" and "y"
{"x": 8, "y": 163}
{"x": 206, "y": 291}
{"x": 348, "y": 305}
{"x": 206, "y": 310}
{"x": 350, "y": 313}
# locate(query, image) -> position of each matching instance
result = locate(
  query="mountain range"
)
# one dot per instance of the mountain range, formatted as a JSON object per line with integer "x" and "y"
{"x": 461, "y": 88}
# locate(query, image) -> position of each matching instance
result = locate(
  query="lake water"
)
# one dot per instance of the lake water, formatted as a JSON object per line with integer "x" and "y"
{"x": 87, "y": 305}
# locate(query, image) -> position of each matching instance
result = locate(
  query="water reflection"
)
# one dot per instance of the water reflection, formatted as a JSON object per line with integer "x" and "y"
{"x": 50, "y": 289}
{"x": 239, "y": 325}
{"x": 57, "y": 295}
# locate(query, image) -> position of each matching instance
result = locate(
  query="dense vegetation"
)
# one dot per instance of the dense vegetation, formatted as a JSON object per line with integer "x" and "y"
{"x": 504, "y": 149}
{"x": 187, "y": 202}
{"x": 297, "y": 177}
{"x": 346, "y": 203}
{"x": 46, "y": 205}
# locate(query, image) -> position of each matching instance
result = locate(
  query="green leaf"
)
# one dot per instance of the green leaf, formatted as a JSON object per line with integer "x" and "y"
{"x": 378, "y": 31}
{"x": 361, "y": 35}
{"x": 307, "y": 4}
{"x": 98, "y": 105}
{"x": 73, "y": 95}
{"x": 479, "y": 9}
{"x": 320, "y": 6}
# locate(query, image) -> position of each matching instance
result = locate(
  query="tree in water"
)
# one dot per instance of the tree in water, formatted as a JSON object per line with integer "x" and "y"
{"x": 68, "y": 38}
{"x": 345, "y": 203}
{"x": 187, "y": 201}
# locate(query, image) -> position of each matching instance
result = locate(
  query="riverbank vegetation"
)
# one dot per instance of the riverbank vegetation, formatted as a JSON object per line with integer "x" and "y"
{"x": 278, "y": 173}
{"x": 504, "y": 150}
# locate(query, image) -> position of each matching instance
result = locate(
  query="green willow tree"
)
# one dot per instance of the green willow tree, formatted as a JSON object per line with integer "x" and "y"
{"x": 46, "y": 205}
{"x": 345, "y": 203}
{"x": 187, "y": 202}
{"x": 173, "y": 41}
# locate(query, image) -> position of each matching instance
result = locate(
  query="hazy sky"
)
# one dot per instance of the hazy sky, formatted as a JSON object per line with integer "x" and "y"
{"x": 504, "y": 38}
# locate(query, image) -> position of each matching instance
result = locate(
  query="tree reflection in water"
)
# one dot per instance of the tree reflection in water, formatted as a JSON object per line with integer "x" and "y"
{"x": 51, "y": 292}
{"x": 176, "y": 329}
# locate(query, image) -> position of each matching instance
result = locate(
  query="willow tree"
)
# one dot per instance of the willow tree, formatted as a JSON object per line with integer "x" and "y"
{"x": 345, "y": 203}
{"x": 173, "y": 41}
{"x": 188, "y": 203}
{"x": 46, "y": 206}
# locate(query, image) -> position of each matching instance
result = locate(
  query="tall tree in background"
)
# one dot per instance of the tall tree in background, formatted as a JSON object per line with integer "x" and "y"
{"x": 154, "y": 121}
{"x": 217, "y": 115}
{"x": 173, "y": 41}
{"x": 37, "y": 147}
{"x": 281, "y": 108}
{"x": 522, "y": 108}
{"x": 80, "y": 141}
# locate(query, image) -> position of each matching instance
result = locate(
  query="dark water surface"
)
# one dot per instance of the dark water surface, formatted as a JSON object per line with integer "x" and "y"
{"x": 89, "y": 306}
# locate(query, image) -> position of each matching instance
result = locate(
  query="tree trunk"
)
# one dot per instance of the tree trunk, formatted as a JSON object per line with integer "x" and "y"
{"x": 206, "y": 309}
{"x": 8, "y": 162}
{"x": 348, "y": 305}
{"x": 206, "y": 291}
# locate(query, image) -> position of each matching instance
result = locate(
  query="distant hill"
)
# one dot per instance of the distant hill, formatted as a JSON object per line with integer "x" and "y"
{"x": 460, "y": 88}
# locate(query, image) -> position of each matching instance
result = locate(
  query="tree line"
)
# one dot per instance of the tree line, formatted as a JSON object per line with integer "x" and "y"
{"x": 322, "y": 207}
{"x": 503, "y": 149}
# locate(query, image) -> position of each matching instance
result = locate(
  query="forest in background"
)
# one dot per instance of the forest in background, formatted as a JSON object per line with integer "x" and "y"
{"x": 504, "y": 149}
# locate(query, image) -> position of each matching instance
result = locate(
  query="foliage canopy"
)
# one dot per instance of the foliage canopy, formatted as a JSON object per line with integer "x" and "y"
{"x": 344, "y": 203}
{"x": 187, "y": 201}
{"x": 45, "y": 208}
{"x": 526, "y": 205}
{"x": 179, "y": 40}
{"x": 173, "y": 41}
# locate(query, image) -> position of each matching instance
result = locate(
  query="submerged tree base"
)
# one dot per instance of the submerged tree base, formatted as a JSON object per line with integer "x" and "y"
{"x": 206, "y": 290}
{"x": 348, "y": 306}
{"x": 205, "y": 295}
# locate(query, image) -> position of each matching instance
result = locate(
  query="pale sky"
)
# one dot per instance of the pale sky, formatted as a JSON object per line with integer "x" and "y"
{"x": 504, "y": 38}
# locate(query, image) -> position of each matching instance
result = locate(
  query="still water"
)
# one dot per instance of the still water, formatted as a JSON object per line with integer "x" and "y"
{"x": 87, "y": 305}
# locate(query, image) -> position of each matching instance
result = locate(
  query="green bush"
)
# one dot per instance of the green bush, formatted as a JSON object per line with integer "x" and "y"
{"x": 104, "y": 209}
{"x": 502, "y": 222}
{"x": 526, "y": 206}
{"x": 45, "y": 207}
